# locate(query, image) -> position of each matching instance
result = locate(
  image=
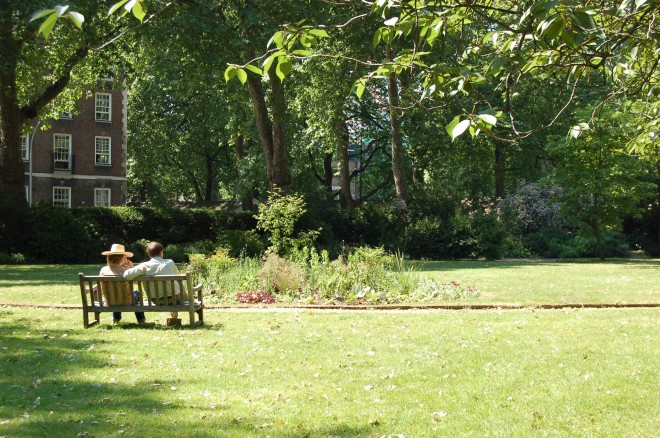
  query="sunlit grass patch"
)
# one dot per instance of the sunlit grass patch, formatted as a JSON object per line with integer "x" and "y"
{"x": 295, "y": 373}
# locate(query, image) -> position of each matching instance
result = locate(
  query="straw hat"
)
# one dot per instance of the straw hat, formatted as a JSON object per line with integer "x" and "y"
{"x": 117, "y": 249}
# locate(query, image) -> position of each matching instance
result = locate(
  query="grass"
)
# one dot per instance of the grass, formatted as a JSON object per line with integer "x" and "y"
{"x": 573, "y": 372}
{"x": 503, "y": 282}
{"x": 558, "y": 282}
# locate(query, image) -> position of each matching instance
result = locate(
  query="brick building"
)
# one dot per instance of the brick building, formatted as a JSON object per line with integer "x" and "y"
{"x": 81, "y": 159}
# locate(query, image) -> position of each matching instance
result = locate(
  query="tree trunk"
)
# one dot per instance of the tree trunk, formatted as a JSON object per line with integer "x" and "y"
{"x": 398, "y": 170}
{"x": 281, "y": 172}
{"x": 209, "y": 177}
{"x": 499, "y": 169}
{"x": 264, "y": 128}
{"x": 12, "y": 178}
{"x": 239, "y": 144}
{"x": 344, "y": 169}
{"x": 328, "y": 173}
{"x": 272, "y": 134}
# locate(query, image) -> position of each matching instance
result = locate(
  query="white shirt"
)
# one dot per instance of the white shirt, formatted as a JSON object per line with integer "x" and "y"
{"x": 155, "y": 266}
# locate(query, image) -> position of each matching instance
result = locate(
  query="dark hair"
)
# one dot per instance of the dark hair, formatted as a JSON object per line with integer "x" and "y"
{"x": 115, "y": 259}
{"x": 154, "y": 249}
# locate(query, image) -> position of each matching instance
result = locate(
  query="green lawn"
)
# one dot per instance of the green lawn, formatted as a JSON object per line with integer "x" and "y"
{"x": 503, "y": 282}
{"x": 529, "y": 282}
{"x": 574, "y": 372}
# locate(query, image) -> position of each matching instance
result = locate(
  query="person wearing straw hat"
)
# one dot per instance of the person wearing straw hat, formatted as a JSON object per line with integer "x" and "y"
{"x": 118, "y": 262}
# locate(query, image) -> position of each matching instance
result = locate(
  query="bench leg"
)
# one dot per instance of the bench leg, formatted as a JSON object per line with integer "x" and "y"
{"x": 85, "y": 318}
{"x": 200, "y": 316}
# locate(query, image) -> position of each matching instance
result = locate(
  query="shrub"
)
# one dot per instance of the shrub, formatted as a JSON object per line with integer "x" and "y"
{"x": 548, "y": 242}
{"x": 12, "y": 259}
{"x": 241, "y": 243}
{"x": 426, "y": 238}
{"x": 278, "y": 218}
{"x": 613, "y": 245}
{"x": 281, "y": 276}
{"x": 531, "y": 208}
{"x": 489, "y": 236}
{"x": 56, "y": 236}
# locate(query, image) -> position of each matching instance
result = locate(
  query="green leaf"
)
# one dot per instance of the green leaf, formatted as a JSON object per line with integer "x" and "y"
{"x": 307, "y": 40}
{"x": 456, "y": 127}
{"x": 496, "y": 65}
{"x": 567, "y": 38}
{"x": 138, "y": 11}
{"x": 41, "y": 13}
{"x": 584, "y": 20}
{"x": 129, "y": 6}
{"x": 391, "y": 22}
{"x": 241, "y": 75}
{"x": 284, "y": 67}
{"x": 277, "y": 38}
{"x": 555, "y": 29}
{"x": 77, "y": 19}
{"x": 269, "y": 61}
{"x": 489, "y": 119}
{"x": 47, "y": 26}
{"x": 230, "y": 72}
{"x": 319, "y": 33}
{"x": 639, "y": 3}
{"x": 116, "y": 6}
{"x": 254, "y": 69}
{"x": 377, "y": 36}
{"x": 59, "y": 9}
{"x": 302, "y": 52}
{"x": 360, "y": 86}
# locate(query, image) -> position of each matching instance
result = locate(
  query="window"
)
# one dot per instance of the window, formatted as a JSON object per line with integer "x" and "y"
{"x": 62, "y": 152}
{"x": 25, "y": 147}
{"x": 102, "y": 151}
{"x": 101, "y": 197}
{"x": 62, "y": 197}
{"x": 66, "y": 115}
{"x": 103, "y": 101}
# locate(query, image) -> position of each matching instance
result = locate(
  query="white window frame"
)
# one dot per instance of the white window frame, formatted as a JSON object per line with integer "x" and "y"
{"x": 103, "y": 111}
{"x": 25, "y": 147}
{"x": 58, "y": 155}
{"x": 59, "y": 200}
{"x": 66, "y": 115}
{"x": 98, "y": 155}
{"x": 107, "y": 194}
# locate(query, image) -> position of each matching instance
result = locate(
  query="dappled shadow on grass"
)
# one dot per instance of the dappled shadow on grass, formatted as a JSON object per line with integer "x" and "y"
{"x": 424, "y": 266}
{"x": 47, "y": 389}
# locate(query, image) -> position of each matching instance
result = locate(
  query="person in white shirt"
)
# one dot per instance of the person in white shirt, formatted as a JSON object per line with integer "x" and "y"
{"x": 157, "y": 265}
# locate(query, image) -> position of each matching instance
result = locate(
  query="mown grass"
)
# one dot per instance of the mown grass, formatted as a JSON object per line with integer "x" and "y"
{"x": 502, "y": 282}
{"x": 574, "y": 372}
{"x": 541, "y": 282}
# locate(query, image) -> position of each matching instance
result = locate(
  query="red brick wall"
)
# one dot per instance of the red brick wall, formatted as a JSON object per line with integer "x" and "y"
{"x": 86, "y": 175}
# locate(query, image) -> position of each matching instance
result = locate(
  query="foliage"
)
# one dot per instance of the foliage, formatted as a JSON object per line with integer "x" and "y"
{"x": 278, "y": 218}
{"x": 281, "y": 276}
{"x": 531, "y": 208}
{"x": 601, "y": 183}
{"x": 57, "y": 236}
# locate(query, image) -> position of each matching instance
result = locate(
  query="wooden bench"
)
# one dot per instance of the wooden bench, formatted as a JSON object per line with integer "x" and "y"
{"x": 114, "y": 294}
